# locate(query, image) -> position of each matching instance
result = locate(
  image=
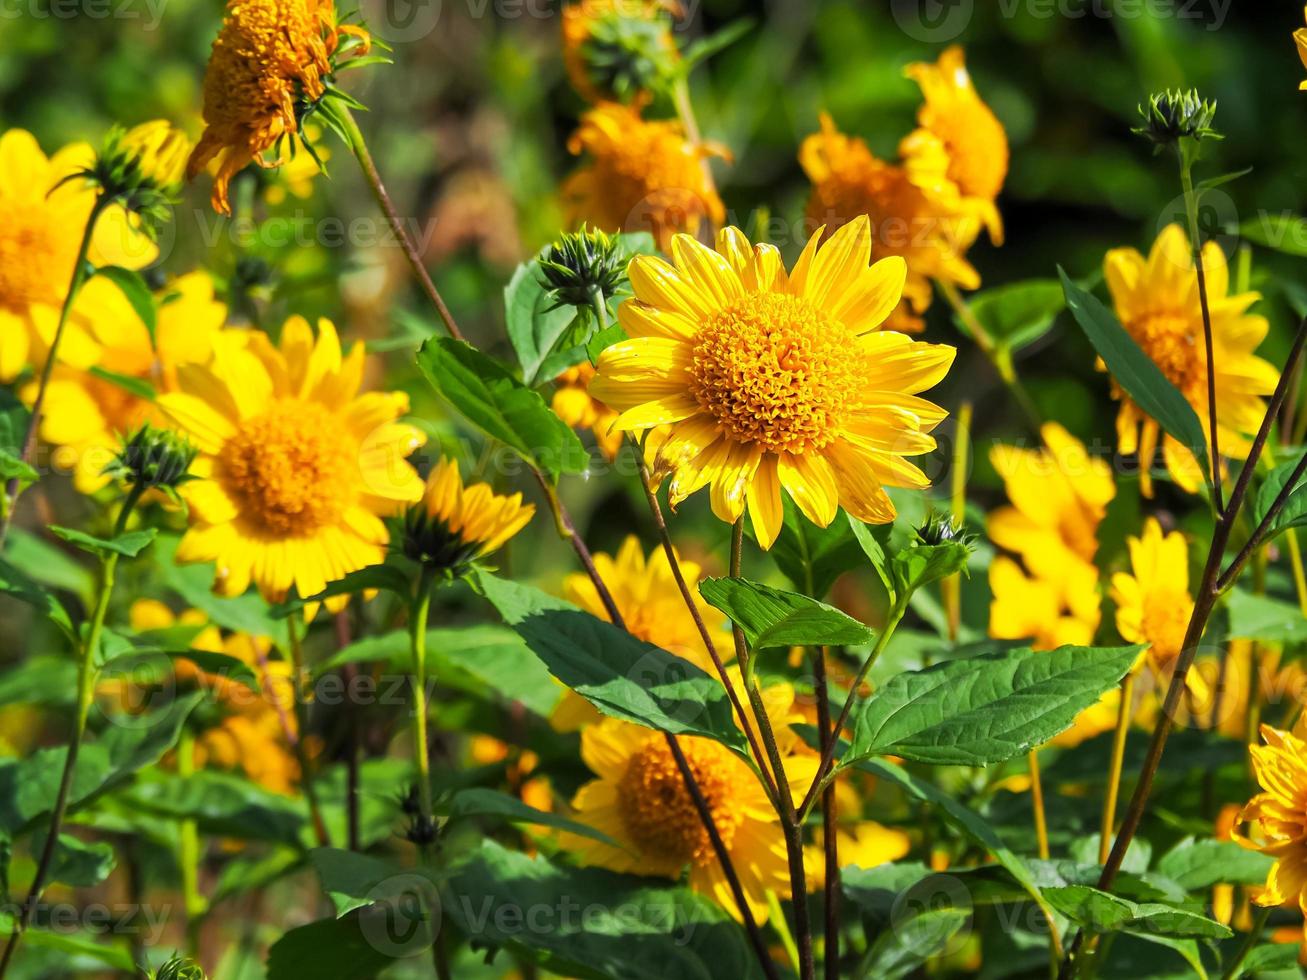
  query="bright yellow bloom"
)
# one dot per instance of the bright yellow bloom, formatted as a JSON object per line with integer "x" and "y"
{"x": 580, "y": 20}
{"x": 653, "y": 610}
{"x": 1059, "y": 496}
{"x": 39, "y": 238}
{"x": 768, "y": 379}
{"x": 573, "y": 403}
{"x": 296, "y": 467}
{"x": 914, "y": 212}
{"x": 643, "y": 175}
{"x": 1153, "y": 603}
{"x": 86, "y": 413}
{"x": 1026, "y": 607}
{"x": 1157, "y": 302}
{"x": 1300, "y": 40}
{"x": 955, "y": 120}
{"x": 1277, "y": 817}
{"x": 160, "y": 152}
{"x": 860, "y": 844}
{"x": 454, "y": 524}
{"x": 639, "y": 800}
{"x": 271, "y": 59}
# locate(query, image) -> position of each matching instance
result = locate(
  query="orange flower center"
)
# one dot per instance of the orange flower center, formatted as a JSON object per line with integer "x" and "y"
{"x": 657, "y": 810}
{"x": 36, "y": 257}
{"x": 1168, "y": 339}
{"x": 289, "y": 469}
{"x": 1165, "y": 621}
{"x": 775, "y": 371}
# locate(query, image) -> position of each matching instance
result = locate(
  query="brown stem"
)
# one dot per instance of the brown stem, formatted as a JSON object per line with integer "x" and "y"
{"x": 651, "y": 497}
{"x": 829, "y": 822}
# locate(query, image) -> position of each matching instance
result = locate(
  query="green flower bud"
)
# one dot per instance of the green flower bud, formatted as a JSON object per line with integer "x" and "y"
{"x": 1171, "y": 116}
{"x": 627, "y": 56}
{"x": 141, "y": 169}
{"x": 180, "y": 968}
{"x": 581, "y": 264}
{"x": 153, "y": 458}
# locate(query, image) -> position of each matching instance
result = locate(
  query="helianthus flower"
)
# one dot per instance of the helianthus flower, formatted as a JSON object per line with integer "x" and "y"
{"x": 643, "y": 175}
{"x": 1157, "y": 301}
{"x": 1277, "y": 817}
{"x": 768, "y": 379}
{"x": 639, "y": 800}
{"x": 573, "y": 403}
{"x": 956, "y": 120}
{"x": 1153, "y": 603}
{"x": 617, "y": 48}
{"x": 296, "y": 467}
{"x": 87, "y": 411}
{"x": 43, "y": 224}
{"x": 454, "y": 524}
{"x": 1059, "y": 496}
{"x": 914, "y": 213}
{"x": 653, "y": 609}
{"x": 271, "y": 62}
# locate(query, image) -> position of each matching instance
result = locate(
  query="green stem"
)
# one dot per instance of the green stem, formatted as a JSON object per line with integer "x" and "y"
{"x": 13, "y": 489}
{"x": 359, "y": 147}
{"x": 1250, "y": 941}
{"x": 301, "y": 726}
{"x": 188, "y": 848}
{"x": 1001, "y": 361}
{"x": 87, "y": 670}
{"x": 421, "y": 748}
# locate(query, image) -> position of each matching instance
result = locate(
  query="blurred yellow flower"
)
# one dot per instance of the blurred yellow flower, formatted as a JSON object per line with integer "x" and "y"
{"x": 1300, "y": 40}
{"x": 1153, "y": 603}
{"x": 770, "y": 379}
{"x": 586, "y": 21}
{"x": 454, "y": 524}
{"x": 913, "y": 212}
{"x": 955, "y": 120}
{"x": 271, "y": 59}
{"x": 860, "y": 844}
{"x": 296, "y": 175}
{"x": 642, "y": 175}
{"x": 1156, "y": 299}
{"x": 1277, "y": 817}
{"x": 639, "y": 800}
{"x": 86, "y": 410}
{"x": 39, "y": 240}
{"x": 296, "y": 466}
{"x": 573, "y": 403}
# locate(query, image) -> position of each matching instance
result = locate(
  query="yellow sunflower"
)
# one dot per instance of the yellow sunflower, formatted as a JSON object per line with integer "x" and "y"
{"x": 955, "y": 120}
{"x": 583, "y": 20}
{"x": 1156, "y": 299}
{"x": 914, "y": 211}
{"x": 1277, "y": 817}
{"x": 86, "y": 412}
{"x": 653, "y": 609}
{"x": 1300, "y": 40}
{"x": 639, "y": 800}
{"x": 270, "y": 60}
{"x": 642, "y": 175}
{"x": 296, "y": 466}
{"x": 1048, "y": 613}
{"x": 768, "y": 379}
{"x": 39, "y": 239}
{"x": 573, "y": 403}
{"x": 454, "y": 524}
{"x": 1153, "y": 603}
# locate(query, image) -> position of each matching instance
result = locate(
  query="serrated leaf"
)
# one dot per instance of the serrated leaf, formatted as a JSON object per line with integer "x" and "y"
{"x": 129, "y": 544}
{"x": 1135, "y": 371}
{"x": 494, "y": 401}
{"x": 622, "y": 676}
{"x": 776, "y": 618}
{"x": 1098, "y": 912}
{"x": 1198, "y": 864}
{"x": 986, "y": 709}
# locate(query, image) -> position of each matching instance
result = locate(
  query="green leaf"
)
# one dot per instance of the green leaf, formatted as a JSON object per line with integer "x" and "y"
{"x": 621, "y": 675}
{"x": 985, "y": 709}
{"x": 129, "y": 545}
{"x": 1283, "y": 232}
{"x": 1259, "y": 617}
{"x": 631, "y": 927}
{"x": 872, "y": 539}
{"x": 480, "y": 802}
{"x": 50, "y": 565}
{"x": 917, "y": 566}
{"x": 1019, "y": 313}
{"x": 351, "y": 879}
{"x": 40, "y": 680}
{"x": 912, "y": 940}
{"x": 1294, "y": 511}
{"x": 704, "y": 48}
{"x": 135, "y": 291}
{"x": 76, "y": 862}
{"x": 1098, "y": 912}
{"x": 501, "y": 406}
{"x": 17, "y": 585}
{"x": 194, "y": 584}
{"x": 775, "y": 618}
{"x": 354, "y": 946}
{"x": 534, "y": 323}
{"x": 803, "y": 548}
{"x": 222, "y": 804}
{"x": 13, "y": 467}
{"x": 962, "y": 819}
{"x": 1134, "y": 371}
{"x": 1198, "y": 864}
{"x": 136, "y": 387}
